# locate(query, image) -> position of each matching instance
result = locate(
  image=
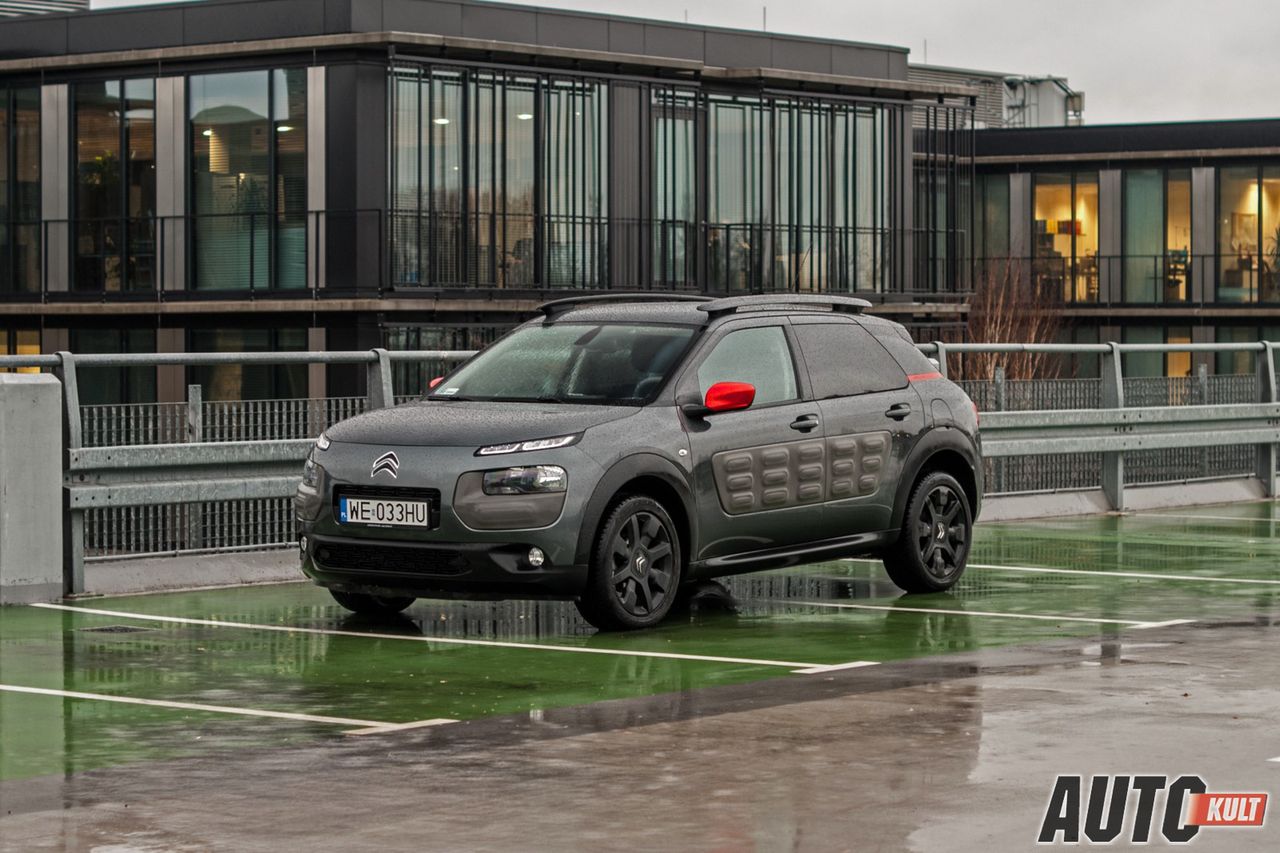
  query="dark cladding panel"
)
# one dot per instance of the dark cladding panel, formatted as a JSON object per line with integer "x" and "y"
{"x": 499, "y": 23}
{"x": 577, "y": 31}
{"x": 629, "y": 180}
{"x": 356, "y": 175}
{"x": 126, "y": 30}
{"x": 33, "y": 36}
{"x": 672, "y": 41}
{"x": 626, "y": 37}
{"x": 858, "y": 61}
{"x": 360, "y": 16}
{"x": 801, "y": 55}
{"x": 254, "y": 19}
{"x": 738, "y": 50}
{"x": 421, "y": 16}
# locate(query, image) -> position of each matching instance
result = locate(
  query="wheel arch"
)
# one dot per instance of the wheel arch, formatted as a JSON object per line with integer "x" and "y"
{"x": 944, "y": 449}
{"x": 643, "y": 474}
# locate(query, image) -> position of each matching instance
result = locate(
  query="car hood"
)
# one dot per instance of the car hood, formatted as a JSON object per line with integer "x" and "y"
{"x": 461, "y": 423}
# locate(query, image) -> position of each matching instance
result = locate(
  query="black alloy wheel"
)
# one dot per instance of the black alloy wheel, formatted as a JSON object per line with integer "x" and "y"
{"x": 636, "y": 571}
{"x": 937, "y": 529}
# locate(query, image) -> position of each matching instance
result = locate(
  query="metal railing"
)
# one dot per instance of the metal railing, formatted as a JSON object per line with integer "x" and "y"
{"x": 211, "y": 476}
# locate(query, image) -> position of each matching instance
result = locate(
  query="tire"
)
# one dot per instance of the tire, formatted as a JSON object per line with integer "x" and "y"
{"x": 937, "y": 530}
{"x": 635, "y": 567}
{"x": 371, "y": 605}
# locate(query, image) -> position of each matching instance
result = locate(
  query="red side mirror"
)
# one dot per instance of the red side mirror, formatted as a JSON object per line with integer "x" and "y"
{"x": 730, "y": 396}
{"x": 434, "y": 382}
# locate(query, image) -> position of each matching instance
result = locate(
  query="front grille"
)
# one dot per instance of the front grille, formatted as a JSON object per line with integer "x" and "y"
{"x": 359, "y": 557}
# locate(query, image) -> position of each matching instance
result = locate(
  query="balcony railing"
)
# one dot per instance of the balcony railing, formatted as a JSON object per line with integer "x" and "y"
{"x": 378, "y": 252}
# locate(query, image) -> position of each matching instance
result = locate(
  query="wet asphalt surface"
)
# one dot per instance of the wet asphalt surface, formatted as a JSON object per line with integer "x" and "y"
{"x": 1063, "y": 657}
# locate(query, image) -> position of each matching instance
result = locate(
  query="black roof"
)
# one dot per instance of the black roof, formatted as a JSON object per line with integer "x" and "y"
{"x": 688, "y": 308}
{"x": 1208, "y": 137}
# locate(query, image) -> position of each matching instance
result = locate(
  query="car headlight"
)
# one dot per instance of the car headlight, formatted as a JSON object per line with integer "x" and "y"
{"x": 536, "y": 444}
{"x": 529, "y": 480}
{"x": 312, "y": 473}
{"x": 322, "y": 443}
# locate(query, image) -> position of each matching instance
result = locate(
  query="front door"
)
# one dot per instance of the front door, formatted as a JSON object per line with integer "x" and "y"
{"x": 759, "y": 473}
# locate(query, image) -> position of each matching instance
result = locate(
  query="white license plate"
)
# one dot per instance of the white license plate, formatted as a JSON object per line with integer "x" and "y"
{"x": 388, "y": 512}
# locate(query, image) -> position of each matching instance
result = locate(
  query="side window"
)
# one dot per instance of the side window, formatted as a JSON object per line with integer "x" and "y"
{"x": 844, "y": 359}
{"x": 759, "y": 356}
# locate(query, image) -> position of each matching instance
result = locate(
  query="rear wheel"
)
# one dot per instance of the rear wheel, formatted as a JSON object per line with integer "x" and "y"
{"x": 371, "y": 605}
{"x": 937, "y": 528}
{"x": 635, "y": 567}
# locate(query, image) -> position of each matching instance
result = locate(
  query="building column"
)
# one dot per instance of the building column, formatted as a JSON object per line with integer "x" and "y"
{"x": 316, "y": 373}
{"x": 171, "y": 379}
{"x": 1204, "y": 215}
{"x": 55, "y": 185}
{"x": 1110, "y": 245}
{"x": 355, "y": 166}
{"x": 1020, "y": 225}
{"x": 316, "y": 190}
{"x": 171, "y": 181}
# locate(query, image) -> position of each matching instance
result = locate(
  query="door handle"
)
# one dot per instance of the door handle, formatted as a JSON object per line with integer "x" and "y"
{"x": 898, "y": 411}
{"x": 804, "y": 423}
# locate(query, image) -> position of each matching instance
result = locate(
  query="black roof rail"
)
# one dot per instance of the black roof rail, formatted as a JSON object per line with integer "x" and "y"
{"x": 557, "y": 306}
{"x": 764, "y": 301}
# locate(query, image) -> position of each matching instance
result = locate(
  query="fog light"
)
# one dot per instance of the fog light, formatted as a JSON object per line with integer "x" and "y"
{"x": 536, "y": 557}
{"x": 302, "y": 545}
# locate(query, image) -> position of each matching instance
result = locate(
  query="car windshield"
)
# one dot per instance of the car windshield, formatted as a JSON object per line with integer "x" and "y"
{"x": 600, "y": 364}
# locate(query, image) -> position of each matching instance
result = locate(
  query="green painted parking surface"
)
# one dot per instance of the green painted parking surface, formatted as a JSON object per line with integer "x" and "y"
{"x": 289, "y": 649}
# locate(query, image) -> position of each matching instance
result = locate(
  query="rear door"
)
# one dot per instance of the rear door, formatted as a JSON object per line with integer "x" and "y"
{"x": 759, "y": 473}
{"x": 872, "y": 415}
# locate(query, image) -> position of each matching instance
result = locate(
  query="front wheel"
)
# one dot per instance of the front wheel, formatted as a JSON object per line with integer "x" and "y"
{"x": 371, "y": 605}
{"x": 635, "y": 567}
{"x": 937, "y": 528}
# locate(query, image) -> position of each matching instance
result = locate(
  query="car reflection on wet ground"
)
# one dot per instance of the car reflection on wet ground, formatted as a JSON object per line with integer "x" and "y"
{"x": 100, "y": 694}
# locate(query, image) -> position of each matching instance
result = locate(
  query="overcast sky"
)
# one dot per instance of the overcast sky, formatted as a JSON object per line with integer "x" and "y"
{"x": 1136, "y": 60}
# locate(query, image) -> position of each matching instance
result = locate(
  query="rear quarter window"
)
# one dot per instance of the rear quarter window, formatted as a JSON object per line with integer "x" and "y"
{"x": 845, "y": 360}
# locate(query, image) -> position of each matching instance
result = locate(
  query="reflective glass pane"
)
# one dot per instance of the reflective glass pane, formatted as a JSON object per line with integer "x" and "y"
{"x": 1143, "y": 235}
{"x": 1177, "y": 272}
{"x": 289, "y": 119}
{"x": 1052, "y": 230}
{"x": 1238, "y": 234}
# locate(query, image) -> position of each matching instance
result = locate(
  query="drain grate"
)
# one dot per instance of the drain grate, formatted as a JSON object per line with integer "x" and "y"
{"x": 115, "y": 629}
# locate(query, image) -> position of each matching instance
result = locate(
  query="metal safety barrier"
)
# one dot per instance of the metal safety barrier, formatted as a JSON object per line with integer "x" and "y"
{"x": 201, "y": 492}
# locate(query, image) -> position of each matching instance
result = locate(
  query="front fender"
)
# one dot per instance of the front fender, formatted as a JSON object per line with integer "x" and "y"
{"x": 623, "y": 472}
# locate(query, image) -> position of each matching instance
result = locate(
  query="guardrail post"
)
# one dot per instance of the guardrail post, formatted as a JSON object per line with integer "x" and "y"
{"x": 1001, "y": 404}
{"x": 1202, "y": 398}
{"x": 73, "y": 520}
{"x": 941, "y": 355}
{"x": 1113, "y": 398}
{"x": 380, "y": 393}
{"x": 1267, "y": 456}
{"x": 195, "y": 435}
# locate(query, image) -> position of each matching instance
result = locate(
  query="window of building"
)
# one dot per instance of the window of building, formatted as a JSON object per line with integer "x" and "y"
{"x": 249, "y": 192}
{"x": 1249, "y": 234}
{"x": 758, "y": 356}
{"x": 115, "y": 186}
{"x": 674, "y": 187}
{"x": 991, "y": 242}
{"x": 1152, "y": 364}
{"x": 249, "y": 381}
{"x": 115, "y": 385}
{"x": 1065, "y": 235}
{"x": 19, "y": 342}
{"x": 414, "y": 377}
{"x": 1243, "y": 361}
{"x": 20, "y": 190}
{"x": 1157, "y": 235}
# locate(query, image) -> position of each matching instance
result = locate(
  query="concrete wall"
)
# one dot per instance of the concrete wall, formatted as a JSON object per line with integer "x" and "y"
{"x": 30, "y": 488}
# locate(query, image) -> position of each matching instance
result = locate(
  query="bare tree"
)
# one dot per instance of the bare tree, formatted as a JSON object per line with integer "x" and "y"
{"x": 1006, "y": 308}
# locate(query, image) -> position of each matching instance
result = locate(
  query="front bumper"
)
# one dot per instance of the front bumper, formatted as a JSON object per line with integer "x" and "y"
{"x": 482, "y": 570}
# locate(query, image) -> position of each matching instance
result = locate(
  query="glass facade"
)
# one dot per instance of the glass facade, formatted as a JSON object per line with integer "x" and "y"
{"x": 1157, "y": 235}
{"x": 1243, "y": 362}
{"x": 249, "y": 181}
{"x": 20, "y": 229}
{"x": 504, "y": 180}
{"x": 19, "y": 342}
{"x": 1064, "y": 236}
{"x": 115, "y": 186}
{"x": 249, "y": 381}
{"x": 114, "y": 385}
{"x": 1249, "y": 234}
{"x": 1152, "y": 364}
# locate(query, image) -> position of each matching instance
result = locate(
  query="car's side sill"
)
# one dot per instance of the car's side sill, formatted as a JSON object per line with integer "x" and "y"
{"x": 777, "y": 558}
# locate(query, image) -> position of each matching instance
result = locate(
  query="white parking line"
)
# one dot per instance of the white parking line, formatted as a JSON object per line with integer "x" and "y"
{"x": 1160, "y": 576}
{"x": 193, "y": 706}
{"x": 796, "y": 666}
{"x": 994, "y": 614}
{"x": 835, "y": 667}
{"x": 399, "y": 727}
{"x": 1276, "y": 759}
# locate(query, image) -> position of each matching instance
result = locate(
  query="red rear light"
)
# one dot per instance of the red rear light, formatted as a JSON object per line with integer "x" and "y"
{"x": 977, "y": 417}
{"x": 434, "y": 382}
